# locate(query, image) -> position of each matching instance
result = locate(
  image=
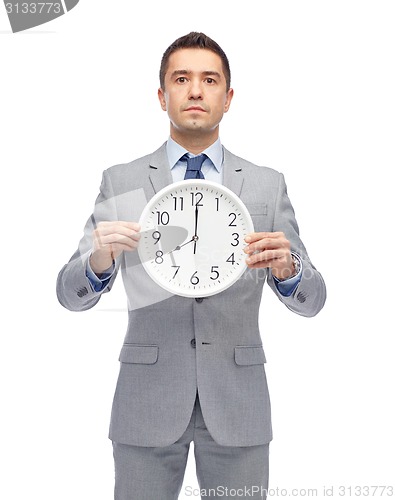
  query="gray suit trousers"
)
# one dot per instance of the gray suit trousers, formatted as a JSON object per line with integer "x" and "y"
{"x": 147, "y": 473}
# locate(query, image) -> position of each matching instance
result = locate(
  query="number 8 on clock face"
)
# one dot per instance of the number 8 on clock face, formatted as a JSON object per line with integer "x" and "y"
{"x": 211, "y": 258}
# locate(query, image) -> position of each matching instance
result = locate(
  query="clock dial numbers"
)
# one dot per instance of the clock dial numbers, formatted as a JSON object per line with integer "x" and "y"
{"x": 211, "y": 256}
{"x": 233, "y": 217}
{"x": 178, "y": 203}
{"x": 194, "y": 279}
{"x": 215, "y": 272}
{"x": 231, "y": 258}
{"x": 177, "y": 269}
{"x": 197, "y": 198}
{"x": 236, "y": 241}
{"x": 156, "y": 235}
{"x": 163, "y": 218}
{"x": 159, "y": 257}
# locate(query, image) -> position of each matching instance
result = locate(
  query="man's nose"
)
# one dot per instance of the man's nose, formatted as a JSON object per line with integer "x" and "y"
{"x": 195, "y": 91}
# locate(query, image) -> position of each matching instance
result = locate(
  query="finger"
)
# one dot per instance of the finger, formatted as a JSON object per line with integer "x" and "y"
{"x": 260, "y": 265}
{"x": 120, "y": 247}
{"x": 114, "y": 238}
{"x": 266, "y": 243}
{"x": 131, "y": 225}
{"x": 115, "y": 228}
{"x": 102, "y": 240}
{"x": 251, "y": 237}
{"x": 266, "y": 256}
{"x": 122, "y": 227}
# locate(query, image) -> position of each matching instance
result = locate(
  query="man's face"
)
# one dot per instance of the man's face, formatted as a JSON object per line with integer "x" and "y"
{"x": 195, "y": 95}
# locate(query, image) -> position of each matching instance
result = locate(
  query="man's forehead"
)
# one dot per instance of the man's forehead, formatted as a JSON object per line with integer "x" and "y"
{"x": 195, "y": 60}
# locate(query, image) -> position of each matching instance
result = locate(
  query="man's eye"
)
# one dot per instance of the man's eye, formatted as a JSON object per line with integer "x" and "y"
{"x": 210, "y": 80}
{"x": 181, "y": 79}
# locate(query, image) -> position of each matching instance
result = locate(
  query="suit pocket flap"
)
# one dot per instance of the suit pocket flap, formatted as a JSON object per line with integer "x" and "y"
{"x": 257, "y": 208}
{"x": 138, "y": 353}
{"x": 249, "y": 355}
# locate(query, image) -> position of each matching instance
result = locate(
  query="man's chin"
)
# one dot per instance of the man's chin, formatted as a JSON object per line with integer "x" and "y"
{"x": 194, "y": 127}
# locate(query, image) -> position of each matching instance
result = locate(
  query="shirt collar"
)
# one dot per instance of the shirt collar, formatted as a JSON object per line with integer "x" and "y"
{"x": 175, "y": 151}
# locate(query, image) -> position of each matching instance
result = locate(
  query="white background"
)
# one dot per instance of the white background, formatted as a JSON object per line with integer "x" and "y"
{"x": 314, "y": 98}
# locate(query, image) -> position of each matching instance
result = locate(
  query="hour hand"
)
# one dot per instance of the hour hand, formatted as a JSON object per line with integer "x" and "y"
{"x": 180, "y": 246}
{"x": 194, "y": 238}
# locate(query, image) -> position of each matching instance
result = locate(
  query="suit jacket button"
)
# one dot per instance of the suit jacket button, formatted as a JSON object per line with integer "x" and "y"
{"x": 82, "y": 291}
{"x": 301, "y": 297}
{"x": 199, "y": 299}
{"x": 193, "y": 342}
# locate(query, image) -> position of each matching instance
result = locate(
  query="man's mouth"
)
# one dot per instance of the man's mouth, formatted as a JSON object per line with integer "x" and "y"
{"x": 195, "y": 108}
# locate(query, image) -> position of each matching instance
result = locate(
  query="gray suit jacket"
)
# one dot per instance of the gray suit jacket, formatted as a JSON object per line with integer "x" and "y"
{"x": 175, "y": 345}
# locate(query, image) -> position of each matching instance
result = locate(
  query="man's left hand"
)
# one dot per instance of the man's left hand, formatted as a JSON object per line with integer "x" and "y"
{"x": 270, "y": 250}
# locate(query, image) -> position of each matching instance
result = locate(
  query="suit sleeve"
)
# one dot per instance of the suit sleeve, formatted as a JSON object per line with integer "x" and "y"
{"x": 309, "y": 296}
{"x": 73, "y": 287}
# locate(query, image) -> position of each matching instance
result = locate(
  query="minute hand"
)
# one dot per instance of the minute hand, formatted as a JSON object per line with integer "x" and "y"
{"x": 196, "y": 237}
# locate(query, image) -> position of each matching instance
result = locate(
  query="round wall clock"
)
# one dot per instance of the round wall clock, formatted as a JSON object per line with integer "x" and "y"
{"x": 211, "y": 258}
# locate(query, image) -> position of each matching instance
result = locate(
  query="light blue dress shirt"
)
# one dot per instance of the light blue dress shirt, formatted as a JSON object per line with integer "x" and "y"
{"x": 212, "y": 170}
{"x": 211, "y": 167}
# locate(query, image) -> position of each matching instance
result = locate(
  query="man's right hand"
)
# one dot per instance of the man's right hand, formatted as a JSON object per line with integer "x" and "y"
{"x": 110, "y": 239}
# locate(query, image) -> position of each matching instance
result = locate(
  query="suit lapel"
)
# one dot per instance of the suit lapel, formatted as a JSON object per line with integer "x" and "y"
{"x": 160, "y": 174}
{"x": 159, "y": 170}
{"x": 233, "y": 173}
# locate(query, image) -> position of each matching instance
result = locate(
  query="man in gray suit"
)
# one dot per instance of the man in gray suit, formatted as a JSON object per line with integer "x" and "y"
{"x": 191, "y": 369}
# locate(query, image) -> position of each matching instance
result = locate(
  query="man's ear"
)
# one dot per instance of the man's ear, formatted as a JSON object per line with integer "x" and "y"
{"x": 162, "y": 100}
{"x": 229, "y": 97}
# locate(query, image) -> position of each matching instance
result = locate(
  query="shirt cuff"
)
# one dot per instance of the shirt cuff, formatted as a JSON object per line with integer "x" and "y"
{"x": 98, "y": 284}
{"x": 288, "y": 286}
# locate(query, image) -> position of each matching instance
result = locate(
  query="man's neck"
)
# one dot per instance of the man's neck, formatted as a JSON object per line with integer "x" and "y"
{"x": 194, "y": 144}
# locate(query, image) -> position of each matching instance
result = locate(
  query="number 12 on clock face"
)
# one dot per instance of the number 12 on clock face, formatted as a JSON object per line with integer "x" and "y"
{"x": 211, "y": 258}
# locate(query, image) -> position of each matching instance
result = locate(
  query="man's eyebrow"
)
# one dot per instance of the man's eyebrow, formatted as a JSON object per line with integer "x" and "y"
{"x": 179, "y": 72}
{"x": 212, "y": 73}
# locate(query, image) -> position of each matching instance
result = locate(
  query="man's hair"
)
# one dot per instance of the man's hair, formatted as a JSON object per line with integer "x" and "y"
{"x": 192, "y": 41}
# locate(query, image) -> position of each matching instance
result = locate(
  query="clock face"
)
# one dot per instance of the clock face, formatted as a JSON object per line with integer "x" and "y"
{"x": 211, "y": 258}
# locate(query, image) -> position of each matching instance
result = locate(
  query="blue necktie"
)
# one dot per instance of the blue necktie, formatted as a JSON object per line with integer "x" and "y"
{"x": 194, "y": 166}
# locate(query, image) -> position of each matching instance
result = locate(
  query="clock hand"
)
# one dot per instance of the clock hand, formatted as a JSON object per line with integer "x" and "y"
{"x": 196, "y": 219}
{"x": 196, "y": 226}
{"x": 180, "y": 246}
{"x": 194, "y": 238}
